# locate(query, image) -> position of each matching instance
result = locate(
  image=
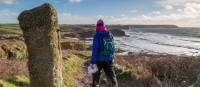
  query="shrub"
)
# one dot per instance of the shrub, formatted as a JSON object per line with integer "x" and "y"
{"x": 171, "y": 70}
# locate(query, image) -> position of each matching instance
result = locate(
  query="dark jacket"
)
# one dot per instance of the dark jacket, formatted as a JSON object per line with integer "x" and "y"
{"x": 97, "y": 47}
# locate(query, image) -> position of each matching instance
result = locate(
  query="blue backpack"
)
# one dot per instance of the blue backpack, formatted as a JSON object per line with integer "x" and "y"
{"x": 108, "y": 46}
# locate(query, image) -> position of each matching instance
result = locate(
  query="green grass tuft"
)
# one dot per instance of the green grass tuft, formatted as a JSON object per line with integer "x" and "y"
{"x": 20, "y": 52}
{"x": 16, "y": 81}
{"x": 6, "y": 84}
{"x": 72, "y": 65}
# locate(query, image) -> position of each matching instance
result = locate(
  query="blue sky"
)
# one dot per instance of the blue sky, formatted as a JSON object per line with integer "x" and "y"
{"x": 112, "y": 11}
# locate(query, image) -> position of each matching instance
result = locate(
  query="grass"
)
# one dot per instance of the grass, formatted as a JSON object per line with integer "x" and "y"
{"x": 6, "y": 84}
{"x": 20, "y": 52}
{"x": 10, "y": 29}
{"x": 72, "y": 66}
{"x": 126, "y": 78}
{"x": 13, "y": 49}
{"x": 15, "y": 81}
{"x": 14, "y": 29}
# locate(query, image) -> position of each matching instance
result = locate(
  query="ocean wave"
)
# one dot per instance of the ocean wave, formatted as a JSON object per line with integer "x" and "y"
{"x": 160, "y": 43}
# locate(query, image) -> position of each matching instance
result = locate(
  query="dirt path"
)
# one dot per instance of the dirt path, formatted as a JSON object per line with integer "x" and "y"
{"x": 85, "y": 80}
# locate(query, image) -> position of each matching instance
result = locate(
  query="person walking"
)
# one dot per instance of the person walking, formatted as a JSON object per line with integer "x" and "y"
{"x": 102, "y": 55}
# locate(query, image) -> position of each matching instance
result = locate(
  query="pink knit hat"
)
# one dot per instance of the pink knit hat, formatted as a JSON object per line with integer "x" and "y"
{"x": 100, "y": 22}
{"x": 100, "y": 25}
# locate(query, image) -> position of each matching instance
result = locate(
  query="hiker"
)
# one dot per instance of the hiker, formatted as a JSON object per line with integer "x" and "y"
{"x": 102, "y": 55}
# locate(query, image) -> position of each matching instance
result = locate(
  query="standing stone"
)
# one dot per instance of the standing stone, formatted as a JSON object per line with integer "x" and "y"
{"x": 39, "y": 27}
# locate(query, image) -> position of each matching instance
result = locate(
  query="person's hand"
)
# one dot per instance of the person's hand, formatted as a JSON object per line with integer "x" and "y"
{"x": 93, "y": 66}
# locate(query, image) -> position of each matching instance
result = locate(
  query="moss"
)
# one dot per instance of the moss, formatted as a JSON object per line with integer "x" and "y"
{"x": 72, "y": 65}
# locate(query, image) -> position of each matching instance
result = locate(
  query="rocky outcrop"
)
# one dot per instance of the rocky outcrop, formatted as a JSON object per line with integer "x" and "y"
{"x": 90, "y": 33}
{"x": 86, "y": 33}
{"x": 69, "y": 34}
{"x": 73, "y": 45}
{"x": 39, "y": 26}
{"x": 118, "y": 32}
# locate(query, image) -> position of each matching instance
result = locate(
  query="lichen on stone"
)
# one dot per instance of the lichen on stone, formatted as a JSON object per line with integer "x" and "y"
{"x": 39, "y": 27}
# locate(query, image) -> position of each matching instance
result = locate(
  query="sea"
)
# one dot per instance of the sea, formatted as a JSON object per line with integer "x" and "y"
{"x": 174, "y": 41}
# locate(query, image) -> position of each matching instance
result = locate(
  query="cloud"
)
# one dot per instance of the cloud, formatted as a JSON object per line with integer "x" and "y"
{"x": 156, "y": 12}
{"x": 177, "y": 2}
{"x": 68, "y": 18}
{"x": 180, "y": 10}
{"x": 168, "y": 7}
{"x": 7, "y": 1}
{"x": 187, "y": 16}
{"x": 75, "y": 1}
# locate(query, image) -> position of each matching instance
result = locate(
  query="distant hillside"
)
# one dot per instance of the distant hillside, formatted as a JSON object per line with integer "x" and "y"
{"x": 154, "y": 26}
{"x": 140, "y": 26}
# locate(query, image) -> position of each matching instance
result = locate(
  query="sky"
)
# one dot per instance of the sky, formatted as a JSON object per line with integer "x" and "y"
{"x": 184, "y": 13}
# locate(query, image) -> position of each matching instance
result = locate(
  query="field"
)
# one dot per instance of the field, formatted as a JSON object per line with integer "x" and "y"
{"x": 10, "y": 29}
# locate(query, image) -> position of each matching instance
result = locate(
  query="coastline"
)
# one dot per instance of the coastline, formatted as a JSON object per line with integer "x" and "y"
{"x": 133, "y": 69}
